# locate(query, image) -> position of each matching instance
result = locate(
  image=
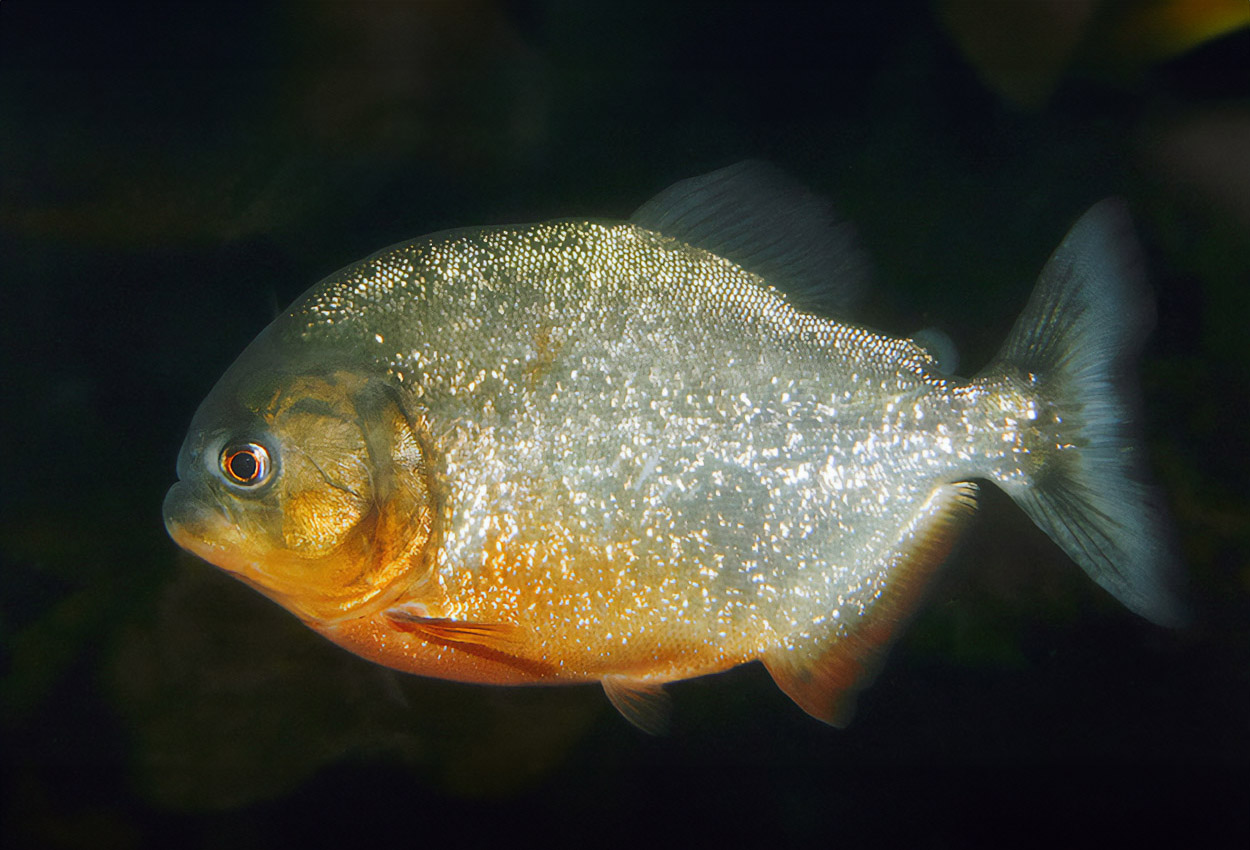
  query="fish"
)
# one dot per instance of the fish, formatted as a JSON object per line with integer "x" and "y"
{"x": 637, "y": 452}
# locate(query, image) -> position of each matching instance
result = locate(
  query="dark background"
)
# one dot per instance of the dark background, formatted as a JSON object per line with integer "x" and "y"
{"x": 171, "y": 175}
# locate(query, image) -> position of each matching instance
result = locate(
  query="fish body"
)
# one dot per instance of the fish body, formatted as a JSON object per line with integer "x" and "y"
{"x": 597, "y": 451}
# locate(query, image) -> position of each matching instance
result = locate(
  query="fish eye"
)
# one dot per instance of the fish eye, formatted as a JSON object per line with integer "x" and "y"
{"x": 246, "y": 464}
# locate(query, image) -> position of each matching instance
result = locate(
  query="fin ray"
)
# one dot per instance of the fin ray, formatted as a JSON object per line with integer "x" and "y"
{"x": 1083, "y": 327}
{"x": 446, "y": 630}
{"x": 643, "y": 704}
{"x": 825, "y": 678}
{"x": 755, "y": 215}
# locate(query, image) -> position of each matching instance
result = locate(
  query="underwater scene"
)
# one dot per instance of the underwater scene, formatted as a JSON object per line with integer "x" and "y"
{"x": 1041, "y": 633}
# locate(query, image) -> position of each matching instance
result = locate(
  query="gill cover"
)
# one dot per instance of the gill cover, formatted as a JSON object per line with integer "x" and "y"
{"x": 344, "y": 521}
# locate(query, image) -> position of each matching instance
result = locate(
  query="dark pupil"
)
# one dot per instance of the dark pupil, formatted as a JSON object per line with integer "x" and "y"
{"x": 244, "y": 465}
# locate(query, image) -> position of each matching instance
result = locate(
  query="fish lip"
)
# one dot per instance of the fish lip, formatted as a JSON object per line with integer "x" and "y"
{"x": 171, "y": 509}
{"x": 188, "y": 517}
{"x": 203, "y": 526}
{"x": 182, "y": 509}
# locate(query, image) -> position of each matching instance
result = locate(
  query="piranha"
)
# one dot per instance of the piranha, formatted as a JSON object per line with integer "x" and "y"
{"x": 630, "y": 453}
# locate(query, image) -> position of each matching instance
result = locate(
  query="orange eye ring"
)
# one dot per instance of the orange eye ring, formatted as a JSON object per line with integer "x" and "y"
{"x": 246, "y": 464}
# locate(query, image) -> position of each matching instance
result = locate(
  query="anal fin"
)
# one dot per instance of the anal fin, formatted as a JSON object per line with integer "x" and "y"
{"x": 643, "y": 704}
{"x": 825, "y": 678}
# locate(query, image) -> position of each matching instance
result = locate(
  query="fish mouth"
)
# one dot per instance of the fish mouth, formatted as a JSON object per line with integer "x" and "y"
{"x": 199, "y": 523}
{"x": 204, "y": 529}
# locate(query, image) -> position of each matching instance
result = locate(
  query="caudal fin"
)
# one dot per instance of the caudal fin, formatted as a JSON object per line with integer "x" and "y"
{"x": 1079, "y": 337}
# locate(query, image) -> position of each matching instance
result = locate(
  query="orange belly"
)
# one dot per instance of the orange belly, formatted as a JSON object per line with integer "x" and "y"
{"x": 513, "y": 659}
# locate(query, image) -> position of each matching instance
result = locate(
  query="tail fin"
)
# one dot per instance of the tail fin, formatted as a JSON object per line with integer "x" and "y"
{"x": 1079, "y": 336}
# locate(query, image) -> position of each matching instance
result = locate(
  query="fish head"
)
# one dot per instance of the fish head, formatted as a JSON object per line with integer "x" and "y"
{"x": 309, "y": 482}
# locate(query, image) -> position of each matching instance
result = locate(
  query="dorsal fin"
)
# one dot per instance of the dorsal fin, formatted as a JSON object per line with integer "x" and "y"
{"x": 758, "y": 217}
{"x": 825, "y": 678}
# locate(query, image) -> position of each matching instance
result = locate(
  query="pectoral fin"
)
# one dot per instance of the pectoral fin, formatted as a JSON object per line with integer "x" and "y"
{"x": 496, "y": 636}
{"x": 826, "y": 677}
{"x": 502, "y": 643}
{"x": 643, "y": 704}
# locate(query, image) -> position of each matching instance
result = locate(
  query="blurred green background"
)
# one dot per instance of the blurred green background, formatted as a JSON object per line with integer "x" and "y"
{"x": 171, "y": 175}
